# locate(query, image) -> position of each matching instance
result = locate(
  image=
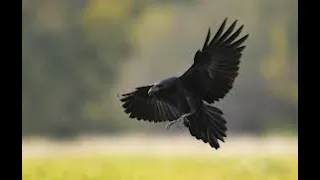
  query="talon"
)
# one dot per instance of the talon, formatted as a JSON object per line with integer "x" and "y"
{"x": 182, "y": 118}
{"x": 118, "y": 95}
{"x": 169, "y": 124}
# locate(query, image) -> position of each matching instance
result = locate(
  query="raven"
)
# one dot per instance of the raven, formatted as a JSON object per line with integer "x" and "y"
{"x": 189, "y": 98}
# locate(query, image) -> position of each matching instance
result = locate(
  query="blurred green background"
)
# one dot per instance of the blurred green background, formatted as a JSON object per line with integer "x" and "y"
{"x": 77, "y": 55}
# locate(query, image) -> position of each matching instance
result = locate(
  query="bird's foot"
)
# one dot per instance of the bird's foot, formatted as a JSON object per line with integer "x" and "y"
{"x": 172, "y": 123}
{"x": 118, "y": 96}
{"x": 169, "y": 125}
{"x": 178, "y": 121}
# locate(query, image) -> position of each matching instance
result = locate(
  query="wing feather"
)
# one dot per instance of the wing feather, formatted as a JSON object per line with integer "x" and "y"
{"x": 216, "y": 66}
{"x": 138, "y": 104}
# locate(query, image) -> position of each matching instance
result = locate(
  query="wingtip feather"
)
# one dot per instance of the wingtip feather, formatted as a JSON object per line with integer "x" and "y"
{"x": 234, "y": 22}
{"x": 207, "y": 39}
{"x": 225, "y": 20}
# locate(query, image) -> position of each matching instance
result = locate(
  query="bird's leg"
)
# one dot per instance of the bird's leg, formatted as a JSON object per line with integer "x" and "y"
{"x": 178, "y": 121}
{"x": 174, "y": 122}
{"x": 192, "y": 106}
{"x": 185, "y": 115}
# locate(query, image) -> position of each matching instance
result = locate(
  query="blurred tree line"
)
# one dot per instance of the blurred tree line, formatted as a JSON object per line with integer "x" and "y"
{"x": 72, "y": 52}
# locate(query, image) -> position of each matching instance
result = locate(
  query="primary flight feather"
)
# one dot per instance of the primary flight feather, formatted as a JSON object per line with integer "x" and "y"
{"x": 189, "y": 98}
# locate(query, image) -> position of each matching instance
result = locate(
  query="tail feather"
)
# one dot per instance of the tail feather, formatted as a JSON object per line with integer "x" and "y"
{"x": 208, "y": 125}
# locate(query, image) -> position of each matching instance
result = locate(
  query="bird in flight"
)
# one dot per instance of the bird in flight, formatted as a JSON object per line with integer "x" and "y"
{"x": 189, "y": 98}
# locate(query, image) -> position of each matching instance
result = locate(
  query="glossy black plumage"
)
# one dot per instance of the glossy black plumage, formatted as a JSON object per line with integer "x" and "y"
{"x": 157, "y": 109}
{"x": 216, "y": 66}
{"x": 190, "y": 96}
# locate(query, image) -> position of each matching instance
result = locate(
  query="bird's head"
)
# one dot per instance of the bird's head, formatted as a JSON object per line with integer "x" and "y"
{"x": 162, "y": 85}
{"x": 155, "y": 88}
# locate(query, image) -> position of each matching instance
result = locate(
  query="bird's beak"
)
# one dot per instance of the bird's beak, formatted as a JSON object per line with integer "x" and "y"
{"x": 153, "y": 90}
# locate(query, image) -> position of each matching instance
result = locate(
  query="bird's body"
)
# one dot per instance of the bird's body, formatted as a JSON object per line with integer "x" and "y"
{"x": 188, "y": 103}
{"x": 189, "y": 97}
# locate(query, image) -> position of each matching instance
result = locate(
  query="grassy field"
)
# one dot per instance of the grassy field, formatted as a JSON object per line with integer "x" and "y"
{"x": 203, "y": 165}
{"x": 161, "y": 168}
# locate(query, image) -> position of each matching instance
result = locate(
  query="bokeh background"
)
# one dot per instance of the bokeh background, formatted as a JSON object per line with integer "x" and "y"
{"x": 78, "y": 54}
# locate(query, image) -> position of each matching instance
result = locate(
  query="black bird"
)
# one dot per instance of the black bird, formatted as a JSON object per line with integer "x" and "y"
{"x": 189, "y": 98}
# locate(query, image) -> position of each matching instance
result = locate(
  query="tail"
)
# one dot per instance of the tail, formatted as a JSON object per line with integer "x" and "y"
{"x": 208, "y": 125}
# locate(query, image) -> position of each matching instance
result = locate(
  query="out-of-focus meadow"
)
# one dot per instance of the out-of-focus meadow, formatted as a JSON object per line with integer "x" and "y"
{"x": 153, "y": 167}
{"x": 78, "y": 54}
{"x": 144, "y": 158}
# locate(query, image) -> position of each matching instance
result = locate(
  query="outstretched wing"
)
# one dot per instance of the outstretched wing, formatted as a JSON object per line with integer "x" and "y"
{"x": 216, "y": 66}
{"x": 151, "y": 108}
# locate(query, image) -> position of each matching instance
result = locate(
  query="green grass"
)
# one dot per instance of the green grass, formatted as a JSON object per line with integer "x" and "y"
{"x": 130, "y": 167}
